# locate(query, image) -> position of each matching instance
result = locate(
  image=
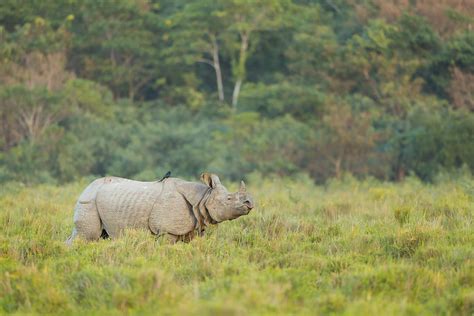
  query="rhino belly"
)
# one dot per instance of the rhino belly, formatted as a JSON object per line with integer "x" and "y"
{"x": 126, "y": 205}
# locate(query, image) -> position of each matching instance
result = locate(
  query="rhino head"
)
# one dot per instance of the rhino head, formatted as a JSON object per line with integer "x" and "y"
{"x": 223, "y": 205}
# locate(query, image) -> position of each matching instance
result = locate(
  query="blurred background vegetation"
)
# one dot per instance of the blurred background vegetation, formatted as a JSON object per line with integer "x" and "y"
{"x": 133, "y": 88}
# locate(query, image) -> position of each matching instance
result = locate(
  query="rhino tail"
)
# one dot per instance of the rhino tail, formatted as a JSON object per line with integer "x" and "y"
{"x": 71, "y": 238}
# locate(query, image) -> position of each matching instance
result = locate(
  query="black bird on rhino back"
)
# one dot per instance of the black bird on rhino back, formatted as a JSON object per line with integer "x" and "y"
{"x": 166, "y": 176}
{"x": 170, "y": 206}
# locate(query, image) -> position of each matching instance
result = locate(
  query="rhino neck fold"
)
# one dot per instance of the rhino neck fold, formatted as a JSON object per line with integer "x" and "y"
{"x": 205, "y": 210}
{"x": 203, "y": 217}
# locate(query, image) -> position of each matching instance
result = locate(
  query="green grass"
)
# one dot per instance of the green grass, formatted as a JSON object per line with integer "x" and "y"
{"x": 364, "y": 248}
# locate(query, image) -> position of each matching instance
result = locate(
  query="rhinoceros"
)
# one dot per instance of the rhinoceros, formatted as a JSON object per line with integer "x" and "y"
{"x": 172, "y": 207}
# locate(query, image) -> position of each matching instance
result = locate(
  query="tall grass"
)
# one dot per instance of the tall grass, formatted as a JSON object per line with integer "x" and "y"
{"x": 349, "y": 247}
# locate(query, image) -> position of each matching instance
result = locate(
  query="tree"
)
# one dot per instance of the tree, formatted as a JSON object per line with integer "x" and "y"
{"x": 458, "y": 53}
{"x": 116, "y": 45}
{"x": 345, "y": 142}
{"x": 248, "y": 18}
{"x": 206, "y": 29}
{"x": 32, "y": 74}
{"x": 196, "y": 35}
{"x": 461, "y": 89}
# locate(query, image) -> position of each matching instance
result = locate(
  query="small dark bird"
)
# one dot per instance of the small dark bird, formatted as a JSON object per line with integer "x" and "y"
{"x": 167, "y": 175}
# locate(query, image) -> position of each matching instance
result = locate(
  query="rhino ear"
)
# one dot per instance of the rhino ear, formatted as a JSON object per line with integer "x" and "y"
{"x": 210, "y": 179}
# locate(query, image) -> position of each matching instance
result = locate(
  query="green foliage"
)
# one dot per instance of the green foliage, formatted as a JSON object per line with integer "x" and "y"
{"x": 305, "y": 249}
{"x": 415, "y": 36}
{"x": 301, "y": 102}
{"x": 440, "y": 140}
{"x": 88, "y": 96}
{"x": 457, "y": 52}
{"x": 402, "y": 214}
{"x": 123, "y": 60}
{"x": 268, "y": 146}
{"x": 326, "y": 88}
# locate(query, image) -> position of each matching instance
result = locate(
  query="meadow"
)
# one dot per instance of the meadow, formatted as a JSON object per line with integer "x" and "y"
{"x": 349, "y": 247}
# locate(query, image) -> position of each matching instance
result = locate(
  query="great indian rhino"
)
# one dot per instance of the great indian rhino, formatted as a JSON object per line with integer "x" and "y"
{"x": 173, "y": 206}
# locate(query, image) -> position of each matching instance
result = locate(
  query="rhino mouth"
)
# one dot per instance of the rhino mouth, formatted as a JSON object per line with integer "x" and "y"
{"x": 247, "y": 209}
{"x": 248, "y": 205}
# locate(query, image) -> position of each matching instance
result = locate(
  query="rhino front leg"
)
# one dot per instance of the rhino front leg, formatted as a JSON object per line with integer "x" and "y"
{"x": 172, "y": 238}
{"x": 184, "y": 238}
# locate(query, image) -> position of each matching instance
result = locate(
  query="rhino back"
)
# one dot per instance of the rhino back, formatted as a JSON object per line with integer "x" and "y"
{"x": 126, "y": 204}
{"x": 90, "y": 192}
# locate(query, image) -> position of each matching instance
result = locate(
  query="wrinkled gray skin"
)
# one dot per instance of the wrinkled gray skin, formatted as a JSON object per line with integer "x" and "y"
{"x": 174, "y": 207}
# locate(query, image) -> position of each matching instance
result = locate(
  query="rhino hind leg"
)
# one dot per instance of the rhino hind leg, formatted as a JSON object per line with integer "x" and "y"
{"x": 87, "y": 221}
{"x": 86, "y": 216}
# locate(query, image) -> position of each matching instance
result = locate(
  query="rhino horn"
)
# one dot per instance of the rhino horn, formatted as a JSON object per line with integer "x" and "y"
{"x": 242, "y": 187}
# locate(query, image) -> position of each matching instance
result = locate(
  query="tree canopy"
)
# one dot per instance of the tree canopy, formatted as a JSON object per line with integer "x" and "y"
{"x": 138, "y": 87}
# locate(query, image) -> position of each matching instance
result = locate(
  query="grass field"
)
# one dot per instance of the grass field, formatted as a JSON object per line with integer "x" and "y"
{"x": 350, "y": 247}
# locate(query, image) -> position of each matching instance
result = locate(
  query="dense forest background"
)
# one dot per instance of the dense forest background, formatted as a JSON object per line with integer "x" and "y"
{"x": 134, "y": 88}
